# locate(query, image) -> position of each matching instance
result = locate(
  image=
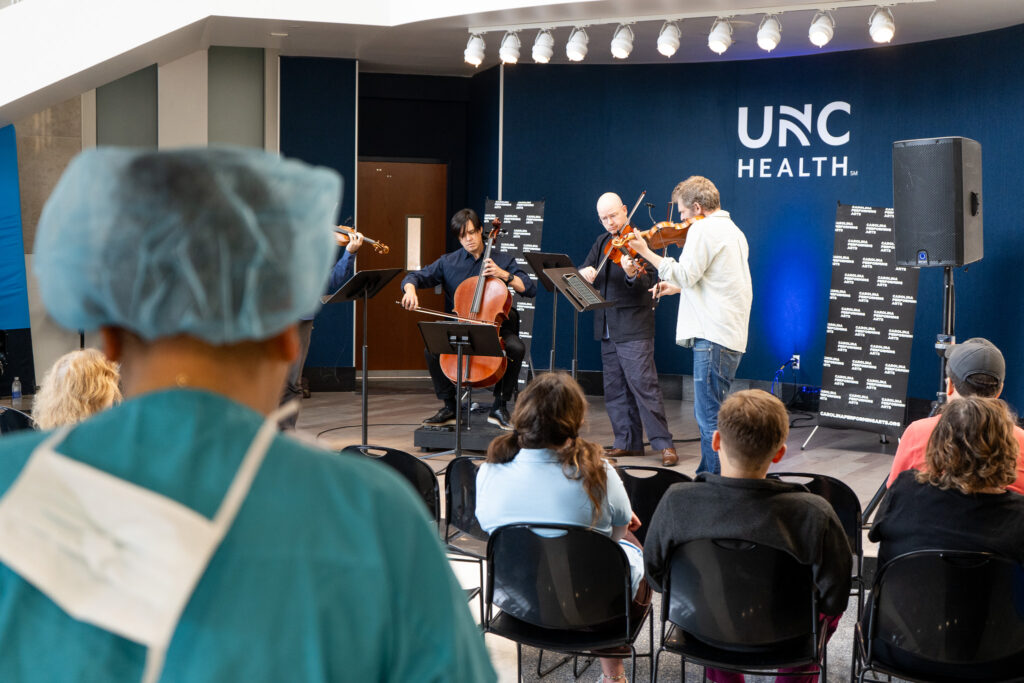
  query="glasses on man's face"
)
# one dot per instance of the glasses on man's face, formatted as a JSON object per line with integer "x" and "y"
{"x": 609, "y": 217}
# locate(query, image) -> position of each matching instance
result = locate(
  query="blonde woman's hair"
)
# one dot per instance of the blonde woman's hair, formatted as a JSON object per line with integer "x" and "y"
{"x": 973, "y": 447}
{"x": 79, "y": 384}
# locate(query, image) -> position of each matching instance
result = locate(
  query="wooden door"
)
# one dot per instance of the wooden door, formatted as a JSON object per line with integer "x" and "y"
{"x": 389, "y": 193}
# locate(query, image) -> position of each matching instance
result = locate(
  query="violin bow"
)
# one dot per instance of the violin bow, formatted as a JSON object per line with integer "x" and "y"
{"x": 636, "y": 206}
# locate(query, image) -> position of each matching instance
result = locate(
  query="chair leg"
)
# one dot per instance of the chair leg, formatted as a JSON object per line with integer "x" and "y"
{"x": 481, "y": 596}
{"x": 540, "y": 658}
{"x": 632, "y": 659}
{"x": 654, "y": 665}
{"x": 579, "y": 672}
{"x": 519, "y": 662}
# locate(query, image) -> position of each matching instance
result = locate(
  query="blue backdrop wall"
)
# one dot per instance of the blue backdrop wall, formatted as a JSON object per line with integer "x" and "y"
{"x": 317, "y": 124}
{"x": 572, "y": 132}
{"x": 13, "y": 290}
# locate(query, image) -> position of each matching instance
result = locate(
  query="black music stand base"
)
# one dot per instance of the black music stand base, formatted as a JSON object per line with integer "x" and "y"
{"x": 462, "y": 340}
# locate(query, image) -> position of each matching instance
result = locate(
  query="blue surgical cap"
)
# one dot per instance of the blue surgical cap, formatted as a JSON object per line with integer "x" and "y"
{"x": 224, "y": 244}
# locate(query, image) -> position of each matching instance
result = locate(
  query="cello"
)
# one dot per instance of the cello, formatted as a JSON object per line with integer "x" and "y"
{"x": 487, "y": 301}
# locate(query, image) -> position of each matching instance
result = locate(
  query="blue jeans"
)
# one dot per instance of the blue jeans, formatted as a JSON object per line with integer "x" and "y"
{"x": 714, "y": 369}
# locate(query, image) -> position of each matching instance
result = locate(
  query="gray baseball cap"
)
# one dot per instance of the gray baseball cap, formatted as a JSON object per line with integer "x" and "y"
{"x": 973, "y": 357}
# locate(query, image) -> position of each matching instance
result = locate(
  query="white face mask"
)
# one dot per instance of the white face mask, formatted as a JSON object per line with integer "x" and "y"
{"x": 111, "y": 553}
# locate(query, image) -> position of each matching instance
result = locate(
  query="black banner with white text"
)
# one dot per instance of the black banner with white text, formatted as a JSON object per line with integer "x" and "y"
{"x": 522, "y": 223}
{"x": 872, "y": 303}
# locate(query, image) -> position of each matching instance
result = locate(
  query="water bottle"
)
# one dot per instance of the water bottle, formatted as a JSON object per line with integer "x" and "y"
{"x": 16, "y": 393}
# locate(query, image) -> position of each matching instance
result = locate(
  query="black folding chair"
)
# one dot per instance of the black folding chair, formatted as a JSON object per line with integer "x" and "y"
{"x": 12, "y": 420}
{"x": 739, "y": 606}
{"x": 645, "y": 486}
{"x": 561, "y": 588}
{"x": 463, "y": 536}
{"x": 414, "y": 470}
{"x": 846, "y": 505}
{"x": 944, "y": 616}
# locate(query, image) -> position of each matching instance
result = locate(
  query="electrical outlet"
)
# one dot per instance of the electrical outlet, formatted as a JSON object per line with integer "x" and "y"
{"x": 795, "y": 360}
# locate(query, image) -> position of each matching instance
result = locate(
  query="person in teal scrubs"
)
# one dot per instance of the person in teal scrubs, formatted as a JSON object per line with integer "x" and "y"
{"x": 195, "y": 265}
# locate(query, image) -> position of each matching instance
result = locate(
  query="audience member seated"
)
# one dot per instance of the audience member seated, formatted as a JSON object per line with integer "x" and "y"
{"x": 78, "y": 385}
{"x": 741, "y": 504}
{"x": 973, "y": 368}
{"x": 180, "y": 536}
{"x": 544, "y": 473}
{"x": 959, "y": 500}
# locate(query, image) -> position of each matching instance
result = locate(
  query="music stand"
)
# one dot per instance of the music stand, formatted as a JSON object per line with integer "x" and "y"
{"x": 461, "y": 339}
{"x": 363, "y": 285}
{"x": 540, "y": 262}
{"x": 583, "y": 297}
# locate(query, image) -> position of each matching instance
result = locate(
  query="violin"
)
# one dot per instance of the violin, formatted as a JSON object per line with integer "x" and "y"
{"x": 484, "y": 300}
{"x": 346, "y": 234}
{"x": 661, "y": 235}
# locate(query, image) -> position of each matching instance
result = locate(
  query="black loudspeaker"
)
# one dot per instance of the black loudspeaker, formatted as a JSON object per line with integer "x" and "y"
{"x": 936, "y": 187}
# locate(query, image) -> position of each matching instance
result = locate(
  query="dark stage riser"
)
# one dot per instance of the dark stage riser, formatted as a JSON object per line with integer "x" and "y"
{"x": 476, "y": 438}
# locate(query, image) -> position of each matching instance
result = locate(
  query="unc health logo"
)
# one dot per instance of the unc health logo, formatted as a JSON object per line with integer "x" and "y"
{"x": 797, "y": 127}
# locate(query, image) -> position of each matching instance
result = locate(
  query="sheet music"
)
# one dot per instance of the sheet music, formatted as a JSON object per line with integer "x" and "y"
{"x": 580, "y": 290}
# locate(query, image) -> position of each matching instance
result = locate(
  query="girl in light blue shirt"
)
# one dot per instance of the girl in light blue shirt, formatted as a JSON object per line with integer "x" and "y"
{"x": 543, "y": 473}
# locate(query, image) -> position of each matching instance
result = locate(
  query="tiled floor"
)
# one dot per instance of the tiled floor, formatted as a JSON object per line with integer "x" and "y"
{"x": 395, "y": 411}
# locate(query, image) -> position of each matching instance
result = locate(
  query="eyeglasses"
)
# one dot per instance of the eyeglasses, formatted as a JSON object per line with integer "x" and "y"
{"x": 610, "y": 216}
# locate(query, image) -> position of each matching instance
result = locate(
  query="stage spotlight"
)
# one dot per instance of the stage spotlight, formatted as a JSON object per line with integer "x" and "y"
{"x": 668, "y": 38}
{"x": 769, "y": 33}
{"x": 720, "y": 37}
{"x": 622, "y": 42}
{"x": 509, "y": 50}
{"x": 881, "y": 25}
{"x": 543, "y": 46}
{"x": 822, "y": 29}
{"x": 576, "y": 48}
{"x": 474, "y": 53}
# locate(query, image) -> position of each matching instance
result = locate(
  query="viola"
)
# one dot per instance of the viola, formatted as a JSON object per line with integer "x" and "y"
{"x": 346, "y": 234}
{"x": 484, "y": 300}
{"x": 662, "y": 234}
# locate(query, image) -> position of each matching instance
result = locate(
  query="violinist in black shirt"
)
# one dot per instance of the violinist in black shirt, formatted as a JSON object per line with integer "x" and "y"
{"x": 632, "y": 394}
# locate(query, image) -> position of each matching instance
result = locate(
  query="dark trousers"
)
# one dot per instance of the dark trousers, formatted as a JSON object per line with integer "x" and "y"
{"x": 515, "y": 350}
{"x": 293, "y": 384}
{"x": 632, "y": 395}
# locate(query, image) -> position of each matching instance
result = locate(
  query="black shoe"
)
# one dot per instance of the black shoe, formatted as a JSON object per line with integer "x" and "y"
{"x": 499, "y": 418}
{"x": 445, "y": 416}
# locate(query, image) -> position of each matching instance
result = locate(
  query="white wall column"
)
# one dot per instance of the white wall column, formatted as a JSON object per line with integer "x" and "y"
{"x": 183, "y": 101}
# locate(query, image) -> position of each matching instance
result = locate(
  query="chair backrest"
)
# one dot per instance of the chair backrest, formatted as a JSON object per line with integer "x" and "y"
{"x": 557, "y": 576}
{"x": 738, "y": 594}
{"x": 951, "y": 608}
{"x": 414, "y": 470}
{"x": 841, "y": 497}
{"x": 460, "y": 497}
{"x": 12, "y": 420}
{"x": 645, "y": 486}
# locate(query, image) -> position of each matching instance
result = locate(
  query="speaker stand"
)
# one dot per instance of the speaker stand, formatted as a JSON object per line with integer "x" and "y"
{"x": 948, "y": 337}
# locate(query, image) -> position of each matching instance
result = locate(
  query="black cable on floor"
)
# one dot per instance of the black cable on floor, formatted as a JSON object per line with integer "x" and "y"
{"x": 382, "y": 424}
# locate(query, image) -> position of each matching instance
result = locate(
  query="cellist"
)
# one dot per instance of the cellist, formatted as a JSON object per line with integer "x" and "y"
{"x": 632, "y": 394}
{"x": 449, "y": 271}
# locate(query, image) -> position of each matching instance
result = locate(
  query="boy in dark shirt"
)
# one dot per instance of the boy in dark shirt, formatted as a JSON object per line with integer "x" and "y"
{"x": 741, "y": 504}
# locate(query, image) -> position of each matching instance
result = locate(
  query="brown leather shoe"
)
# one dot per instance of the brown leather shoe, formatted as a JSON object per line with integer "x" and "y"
{"x": 622, "y": 453}
{"x": 669, "y": 457}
